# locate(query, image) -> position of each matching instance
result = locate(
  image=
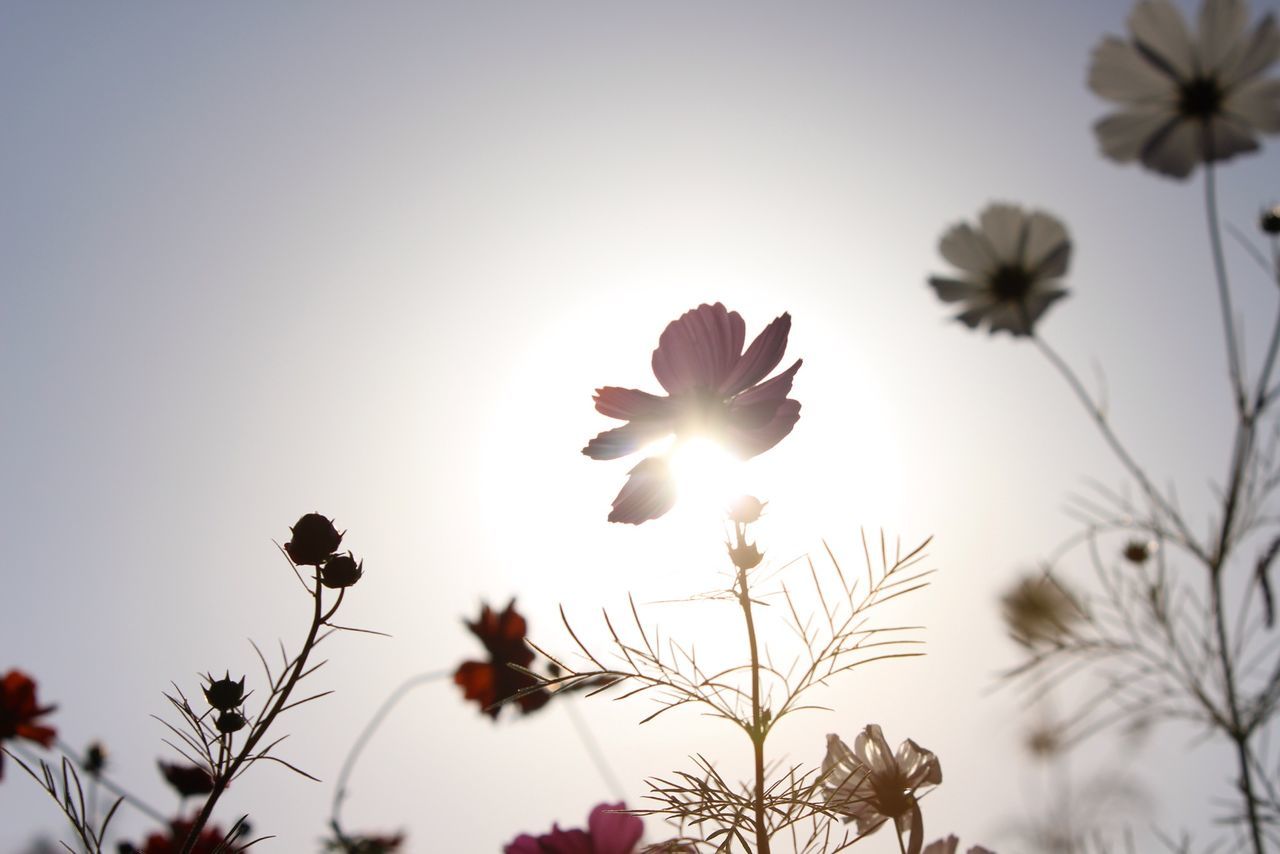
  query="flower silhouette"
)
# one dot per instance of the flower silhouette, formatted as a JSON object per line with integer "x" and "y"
{"x": 1039, "y": 611}
{"x": 1010, "y": 268}
{"x": 171, "y": 842}
{"x": 608, "y": 832}
{"x": 19, "y": 710}
{"x": 1187, "y": 99}
{"x": 713, "y": 389}
{"x": 950, "y": 845}
{"x": 490, "y": 682}
{"x": 186, "y": 779}
{"x": 870, "y": 783}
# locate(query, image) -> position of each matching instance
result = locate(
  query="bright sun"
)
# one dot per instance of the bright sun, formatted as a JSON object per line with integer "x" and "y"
{"x": 707, "y": 476}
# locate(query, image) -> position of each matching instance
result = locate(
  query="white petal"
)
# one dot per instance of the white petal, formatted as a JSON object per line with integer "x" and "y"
{"x": 1123, "y": 136}
{"x": 1256, "y": 104}
{"x": 1119, "y": 72}
{"x": 873, "y": 750}
{"x": 1229, "y": 137}
{"x": 1005, "y": 317}
{"x": 1222, "y": 23}
{"x": 1048, "y": 248}
{"x": 1038, "y": 302}
{"x": 1175, "y": 151}
{"x": 1161, "y": 33}
{"x": 954, "y": 290}
{"x": 1252, "y": 57}
{"x": 1003, "y": 226}
{"x": 967, "y": 249}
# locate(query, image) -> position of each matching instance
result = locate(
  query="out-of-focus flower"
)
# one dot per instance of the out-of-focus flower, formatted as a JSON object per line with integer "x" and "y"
{"x": 1010, "y": 268}
{"x": 1269, "y": 221}
{"x": 229, "y": 722}
{"x": 608, "y": 832}
{"x": 713, "y": 389}
{"x": 187, "y": 780}
{"x": 171, "y": 841}
{"x": 1044, "y": 741}
{"x": 870, "y": 783}
{"x": 1138, "y": 551}
{"x": 745, "y": 555}
{"x": 380, "y": 844}
{"x": 95, "y": 758}
{"x": 224, "y": 694}
{"x": 490, "y": 682}
{"x": 948, "y": 846}
{"x": 313, "y": 539}
{"x": 341, "y": 571}
{"x": 1187, "y": 99}
{"x": 1039, "y": 611}
{"x": 19, "y": 710}
{"x": 746, "y": 509}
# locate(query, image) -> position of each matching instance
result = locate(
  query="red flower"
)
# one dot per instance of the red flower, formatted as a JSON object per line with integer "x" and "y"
{"x": 209, "y": 841}
{"x": 19, "y": 710}
{"x": 608, "y": 832}
{"x": 713, "y": 389}
{"x": 490, "y": 682}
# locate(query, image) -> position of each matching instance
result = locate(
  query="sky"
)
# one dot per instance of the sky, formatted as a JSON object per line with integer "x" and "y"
{"x": 372, "y": 260}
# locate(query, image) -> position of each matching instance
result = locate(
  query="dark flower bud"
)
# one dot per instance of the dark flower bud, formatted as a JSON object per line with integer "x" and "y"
{"x": 341, "y": 571}
{"x": 224, "y": 694}
{"x": 313, "y": 539}
{"x": 187, "y": 780}
{"x": 746, "y": 509}
{"x": 95, "y": 758}
{"x": 1270, "y": 221}
{"x": 229, "y": 722}
{"x": 745, "y": 555}
{"x": 1138, "y": 551}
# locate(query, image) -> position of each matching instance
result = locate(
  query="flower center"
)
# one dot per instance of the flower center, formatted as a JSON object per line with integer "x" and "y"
{"x": 1010, "y": 283}
{"x": 1200, "y": 98}
{"x": 703, "y": 413}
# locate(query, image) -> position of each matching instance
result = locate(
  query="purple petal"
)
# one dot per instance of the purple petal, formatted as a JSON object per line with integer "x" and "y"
{"x": 648, "y": 493}
{"x": 629, "y": 404}
{"x": 748, "y": 443}
{"x": 769, "y": 394}
{"x": 627, "y": 439}
{"x": 614, "y": 832}
{"x": 559, "y": 841}
{"x": 699, "y": 349}
{"x": 761, "y": 357}
{"x": 523, "y": 844}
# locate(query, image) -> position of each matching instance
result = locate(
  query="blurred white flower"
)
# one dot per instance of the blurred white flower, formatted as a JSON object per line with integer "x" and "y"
{"x": 870, "y": 783}
{"x": 1187, "y": 98}
{"x": 1010, "y": 268}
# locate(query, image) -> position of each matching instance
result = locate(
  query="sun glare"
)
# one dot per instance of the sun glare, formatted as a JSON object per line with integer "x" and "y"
{"x": 707, "y": 477}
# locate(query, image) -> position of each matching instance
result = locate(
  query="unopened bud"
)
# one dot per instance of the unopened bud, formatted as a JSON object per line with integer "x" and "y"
{"x": 313, "y": 539}
{"x": 745, "y": 509}
{"x": 229, "y": 722}
{"x": 224, "y": 694}
{"x": 1270, "y": 220}
{"x": 341, "y": 571}
{"x": 745, "y": 555}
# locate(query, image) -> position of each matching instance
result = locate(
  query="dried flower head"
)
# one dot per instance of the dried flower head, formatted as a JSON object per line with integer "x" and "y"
{"x": 19, "y": 710}
{"x": 1138, "y": 551}
{"x": 187, "y": 780}
{"x": 341, "y": 571}
{"x": 1187, "y": 98}
{"x": 95, "y": 758}
{"x": 949, "y": 845}
{"x": 609, "y": 831}
{"x": 313, "y": 539}
{"x": 870, "y": 783}
{"x": 1010, "y": 268}
{"x": 490, "y": 682}
{"x": 713, "y": 389}
{"x": 229, "y": 722}
{"x": 746, "y": 509}
{"x": 745, "y": 555}
{"x": 1040, "y": 611}
{"x": 224, "y": 694}
{"x": 1269, "y": 221}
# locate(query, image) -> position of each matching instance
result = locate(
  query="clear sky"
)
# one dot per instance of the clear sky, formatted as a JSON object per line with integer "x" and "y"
{"x": 372, "y": 260}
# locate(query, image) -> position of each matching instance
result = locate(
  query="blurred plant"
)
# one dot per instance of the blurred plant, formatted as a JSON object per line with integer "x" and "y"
{"x": 177, "y": 837}
{"x": 871, "y": 784}
{"x": 19, "y": 710}
{"x": 504, "y": 675}
{"x": 1157, "y": 639}
{"x": 609, "y": 831}
{"x": 950, "y": 846}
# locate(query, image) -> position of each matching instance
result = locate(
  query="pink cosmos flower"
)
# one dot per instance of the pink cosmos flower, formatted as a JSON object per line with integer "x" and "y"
{"x": 608, "y": 832}
{"x": 713, "y": 389}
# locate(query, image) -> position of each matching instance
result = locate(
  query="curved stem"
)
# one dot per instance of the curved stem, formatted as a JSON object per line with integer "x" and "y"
{"x": 362, "y": 740}
{"x": 758, "y": 730}
{"x": 593, "y": 749}
{"x": 1224, "y": 291}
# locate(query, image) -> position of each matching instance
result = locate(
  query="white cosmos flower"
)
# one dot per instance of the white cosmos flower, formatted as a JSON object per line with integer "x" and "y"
{"x": 1187, "y": 98}
{"x": 871, "y": 784}
{"x": 1010, "y": 268}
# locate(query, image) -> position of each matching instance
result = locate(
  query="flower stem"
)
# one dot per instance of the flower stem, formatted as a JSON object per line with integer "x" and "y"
{"x": 1224, "y": 291}
{"x": 592, "y": 747}
{"x": 759, "y": 730}
{"x": 115, "y": 788}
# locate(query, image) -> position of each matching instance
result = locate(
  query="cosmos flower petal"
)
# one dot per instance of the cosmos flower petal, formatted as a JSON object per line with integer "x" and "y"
{"x": 942, "y": 846}
{"x": 1257, "y": 104}
{"x": 1161, "y": 32}
{"x": 748, "y": 443}
{"x": 920, "y": 766}
{"x": 1122, "y": 136}
{"x": 1003, "y": 226}
{"x": 614, "y": 832}
{"x": 478, "y": 682}
{"x": 1253, "y": 55}
{"x": 523, "y": 844}
{"x": 965, "y": 248}
{"x": 770, "y": 392}
{"x": 627, "y": 439}
{"x": 954, "y": 290}
{"x": 1174, "y": 151}
{"x": 761, "y": 357}
{"x": 630, "y": 403}
{"x": 699, "y": 349}
{"x": 649, "y": 492}
{"x": 1006, "y": 317}
{"x": 1038, "y": 302}
{"x": 1227, "y": 138}
{"x": 1222, "y": 23}
{"x": 1118, "y": 72}
{"x": 871, "y": 747}
{"x": 1048, "y": 249}
{"x": 574, "y": 841}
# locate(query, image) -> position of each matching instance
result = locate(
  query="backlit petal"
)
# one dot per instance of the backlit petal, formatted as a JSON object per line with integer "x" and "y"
{"x": 699, "y": 349}
{"x": 648, "y": 493}
{"x": 1003, "y": 226}
{"x": 1118, "y": 72}
{"x": 761, "y": 357}
{"x": 627, "y": 439}
{"x": 1257, "y": 104}
{"x": 1123, "y": 136}
{"x": 967, "y": 249}
{"x": 1228, "y": 137}
{"x": 1254, "y": 55}
{"x": 614, "y": 832}
{"x": 954, "y": 290}
{"x": 629, "y": 403}
{"x": 1222, "y": 23}
{"x": 1048, "y": 249}
{"x": 1174, "y": 151}
{"x": 1161, "y": 33}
